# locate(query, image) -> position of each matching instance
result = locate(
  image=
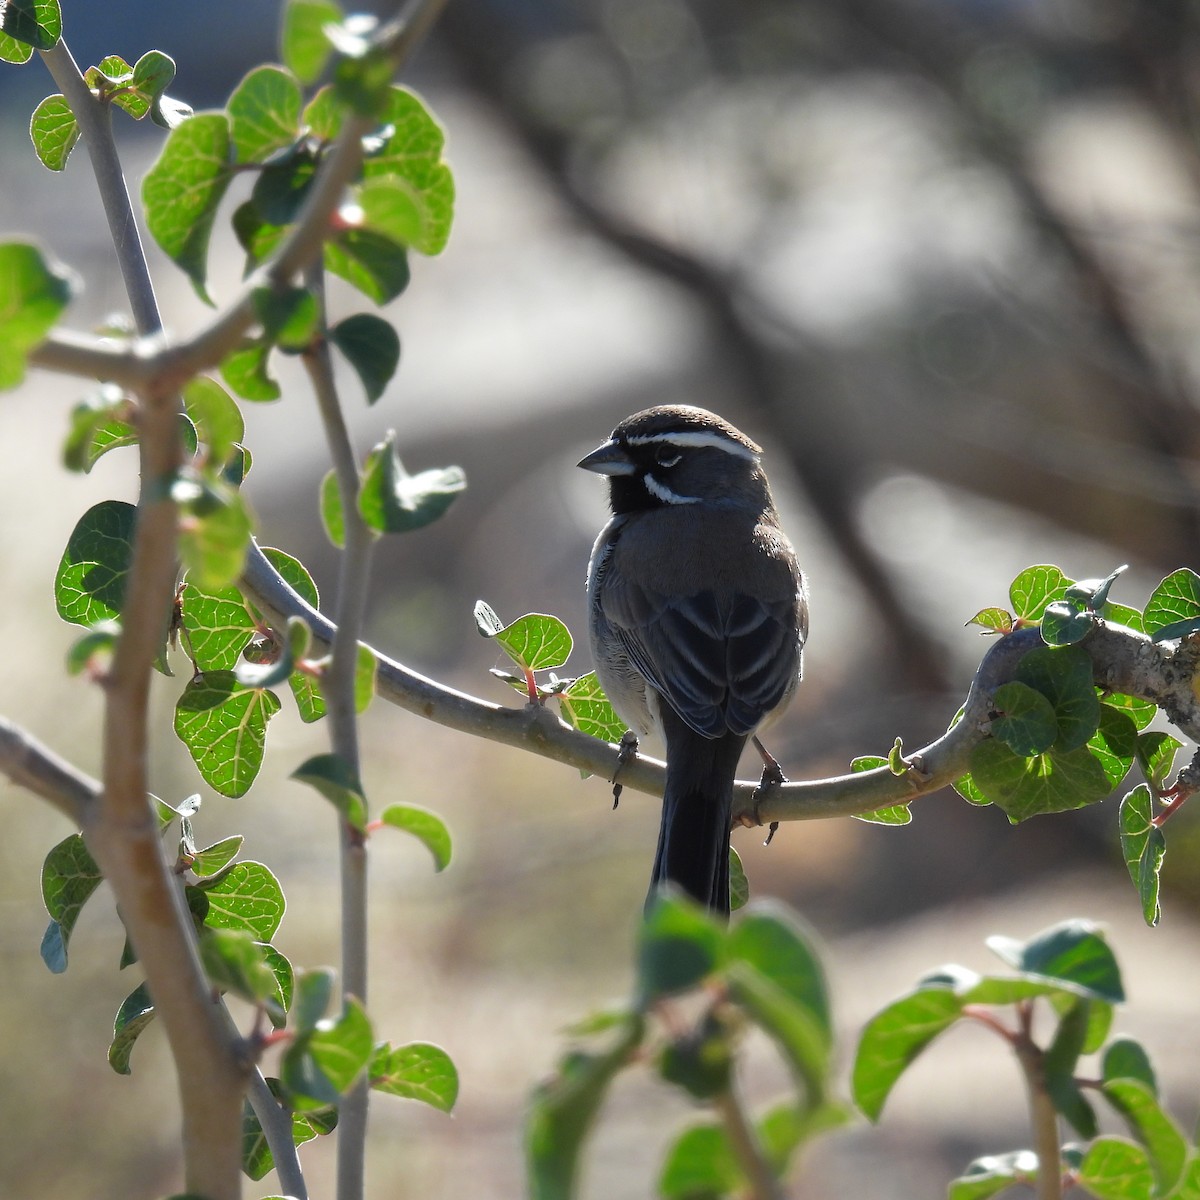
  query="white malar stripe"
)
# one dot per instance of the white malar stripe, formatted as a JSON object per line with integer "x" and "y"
{"x": 664, "y": 493}
{"x": 697, "y": 439}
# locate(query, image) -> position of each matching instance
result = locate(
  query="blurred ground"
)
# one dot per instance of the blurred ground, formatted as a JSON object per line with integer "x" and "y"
{"x": 949, "y": 388}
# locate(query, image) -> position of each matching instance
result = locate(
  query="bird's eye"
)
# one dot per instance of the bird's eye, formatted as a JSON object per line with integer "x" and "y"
{"x": 667, "y": 458}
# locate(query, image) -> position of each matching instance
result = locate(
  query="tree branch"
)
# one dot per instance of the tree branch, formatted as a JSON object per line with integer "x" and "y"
{"x": 1124, "y": 661}
{"x": 338, "y": 689}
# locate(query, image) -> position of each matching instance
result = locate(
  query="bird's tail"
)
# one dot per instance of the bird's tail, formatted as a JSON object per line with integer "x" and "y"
{"x": 693, "y": 837}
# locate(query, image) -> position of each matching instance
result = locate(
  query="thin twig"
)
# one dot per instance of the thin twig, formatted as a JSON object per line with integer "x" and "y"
{"x": 1043, "y": 1119}
{"x": 338, "y": 690}
{"x": 95, "y": 124}
{"x": 747, "y": 1148}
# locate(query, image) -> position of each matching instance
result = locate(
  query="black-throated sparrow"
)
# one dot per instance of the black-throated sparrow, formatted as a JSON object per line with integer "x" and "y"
{"x": 697, "y": 615}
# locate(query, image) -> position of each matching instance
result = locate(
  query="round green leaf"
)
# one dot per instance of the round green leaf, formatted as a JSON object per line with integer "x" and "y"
{"x": 424, "y": 825}
{"x": 246, "y": 897}
{"x": 135, "y": 1013}
{"x": 224, "y": 727}
{"x": 304, "y": 46}
{"x": 678, "y": 946}
{"x": 372, "y": 347}
{"x": 418, "y": 1071}
{"x": 54, "y": 131}
{"x": 245, "y": 370}
{"x": 89, "y": 586}
{"x": 216, "y": 416}
{"x": 390, "y": 500}
{"x": 1034, "y": 588}
{"x": 264, "y": 113}
{"x": 893, "y": 1038}
{"x": 330, "y": 503}
{"x": 183, "y": 189}
{"x": 1027, "y": 724}
{"x": 374, "y": 264}
{"x": 584, "y": 705}
{"x": 35, "y": 23}
{"x": 333, "y": 778}
{"x": 1177, "y": 598}
{"x": 32, "y": 294}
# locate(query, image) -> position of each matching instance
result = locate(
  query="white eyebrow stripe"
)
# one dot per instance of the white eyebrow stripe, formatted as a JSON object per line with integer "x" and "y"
{"x": 664, "y": 493}
{"x": 697, "y": 439}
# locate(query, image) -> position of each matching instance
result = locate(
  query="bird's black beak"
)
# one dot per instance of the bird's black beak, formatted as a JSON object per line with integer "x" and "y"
{"x": 608, "y": 459}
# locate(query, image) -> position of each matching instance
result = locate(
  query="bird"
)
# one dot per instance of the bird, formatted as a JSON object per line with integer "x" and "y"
{"x": 697, "y": 615}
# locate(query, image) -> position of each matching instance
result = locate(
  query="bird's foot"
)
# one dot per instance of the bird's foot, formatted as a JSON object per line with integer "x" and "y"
{"x": 772, "y": 777}
{"x": 626, "y": 753}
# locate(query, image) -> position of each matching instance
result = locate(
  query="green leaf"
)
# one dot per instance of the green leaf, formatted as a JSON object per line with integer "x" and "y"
{"x": 1064, "y": 676}
{"x": 893, "y": 1038}
{"x": 534, "y": 642}
{"x": 246, "y": 897}
{"x": 679, "y": 944}
{"x": 1177, "y": 598}
{"x": 217, "y": 626}
{"x": 294, "y": 574}
{"x": 314, "y": 991}
{"x": 304, "y": 46}
{"x": 224, "y": 727}
{"x": 89, "y": 586}
{"x": 1073, "y": 950}
{"x": 990, "y": 1176}
{"x": 1144, "y": 848}
{"x": 272, "y": 661}
{"x": 54, "y": 131}
{"x": 256, "y": 1154}
{"x": 1114, "y": 744}
{"x": 245, "y": 371}
{"x": 153, "y": 72}
{"x": 33, "y": 293}
{"x": 701, "y": 1163}
{"x": 1034, "y": 588}
{"x": 333, "y": 778}
{"x": 563, "y": 1110}
{"x": 215, "y": 858}
{"x": 69, "y": 876}
{"x": 1027, "y": 724}
{"x": 1140, "y": 712}
{"x": 793, "y": 1026}
{"x": 1059, "y": 1066}
{"x": 1115, "y": 1169}
{"x": 993, "y": 620}
{"x": 362, "y": 77}
{"x": 1156, "y": 756}
{"x": 35, "y": 23}
{"x": 330, "y": 503}
{"x": 105, "y": 407}
{"x": 390, "y": 500}
{"x": 412, "y": 158}
{"x": 1125, "y": 1058}
{"x": 264, "y": 113}
{"x": 323, "y": 115}
{"x": 217, "y": 418}
{"x": 417, "y": 1071}
{"x": 374, "y": 264}
{"x": 135, "y": 1013}
{"x": 424, "y": 825}
{"x": 739, "y": 885}
{"x": 1152, "y": 1127}
{"x": 372, "y": 347}
{"x": 235, "y": 961}
{"x": 1046, "y": 783}
{"x": 183, "y": 189}
{"x": 769, "y": 938}
{"x": 584, "y": 705}
{"x": 1064, "y": 624}
{"x": 214, "y": 531}
{"x": 337, "y": 1051}
{"x": 289, "y": 316}
{"x": 84, "y": 651}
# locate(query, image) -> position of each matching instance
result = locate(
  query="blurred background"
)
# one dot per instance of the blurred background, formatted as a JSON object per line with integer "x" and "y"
{"x": 940, "y": 259}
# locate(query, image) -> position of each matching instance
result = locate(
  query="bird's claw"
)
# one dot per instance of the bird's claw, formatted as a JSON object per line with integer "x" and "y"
{"x": 626, "y": 753}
